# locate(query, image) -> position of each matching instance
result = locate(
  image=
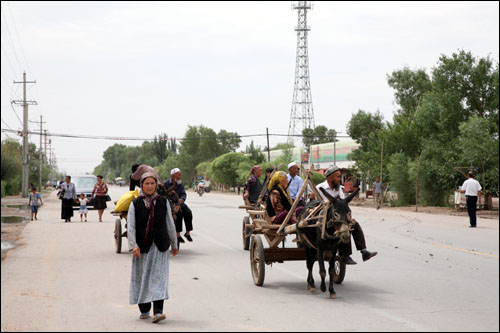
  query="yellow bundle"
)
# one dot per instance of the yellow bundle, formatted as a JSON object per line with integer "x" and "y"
{"x": 124, "y": 203}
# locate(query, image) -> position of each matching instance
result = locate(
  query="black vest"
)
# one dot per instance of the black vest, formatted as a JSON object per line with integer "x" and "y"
{"x": 254, "y": 191}
{"x": 160, "y": 232}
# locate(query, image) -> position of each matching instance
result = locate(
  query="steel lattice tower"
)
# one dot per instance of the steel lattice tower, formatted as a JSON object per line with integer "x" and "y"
{"x": 302, "y": 115}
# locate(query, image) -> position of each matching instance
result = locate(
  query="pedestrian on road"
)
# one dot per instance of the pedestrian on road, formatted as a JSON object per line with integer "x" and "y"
{"x": 100, "y": 191}
{"x": 83, "y": 207}
{"x": 472, "y": 190}
{"x": 151, "y": 231}
{"x": 177, "y": 195}
{"x": 69, "y": 195}
{"x": 33, "y": 202}
{"x": 377, "y": 192}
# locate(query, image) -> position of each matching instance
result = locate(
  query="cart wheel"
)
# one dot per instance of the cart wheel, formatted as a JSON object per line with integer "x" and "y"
{"x": 257, "y": 262}
{"x": 246, "y": 234}
{"x": 118, "y": 235}
{"x": 339, "y": 271}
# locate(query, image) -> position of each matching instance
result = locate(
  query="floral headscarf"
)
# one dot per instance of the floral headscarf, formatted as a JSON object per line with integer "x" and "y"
{"x": 149, "y": 202}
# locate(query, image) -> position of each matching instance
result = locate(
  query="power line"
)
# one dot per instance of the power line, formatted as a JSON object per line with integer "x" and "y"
{"x": 20, "y": 122}
{"x": 3, "y": 121}
{"x": 10, "y": 39}
{"x": 19, "y": 40}
{"x": 95, "y": 137}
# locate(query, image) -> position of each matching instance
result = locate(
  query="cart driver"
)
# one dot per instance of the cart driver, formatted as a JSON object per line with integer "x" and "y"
{"x": 332, "y": 186}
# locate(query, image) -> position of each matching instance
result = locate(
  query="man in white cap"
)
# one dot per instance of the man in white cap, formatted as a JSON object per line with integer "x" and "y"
{"x": 333, "y": 187}
{"x": 179, "y": 199}
{"x": 294, "y": 180}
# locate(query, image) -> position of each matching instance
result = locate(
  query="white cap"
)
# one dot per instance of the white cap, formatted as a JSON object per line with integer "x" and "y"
{"x": 292, "y": 164}
{"x": 174, "y": 170}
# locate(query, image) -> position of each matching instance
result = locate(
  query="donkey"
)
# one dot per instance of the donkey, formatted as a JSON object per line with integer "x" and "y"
{"x": 337, "y": 230}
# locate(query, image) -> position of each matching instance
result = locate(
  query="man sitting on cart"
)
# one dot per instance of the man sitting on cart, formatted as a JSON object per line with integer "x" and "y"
{"x": 332, "y": 186}
{"x": 179, "y": 199}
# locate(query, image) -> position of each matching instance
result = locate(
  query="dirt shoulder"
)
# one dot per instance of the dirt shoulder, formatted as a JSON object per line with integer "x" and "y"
{"x": 12, "y": 232}
{"x": 369, "y": 203}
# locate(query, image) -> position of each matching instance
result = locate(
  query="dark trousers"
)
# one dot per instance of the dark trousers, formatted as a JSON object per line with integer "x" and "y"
{"x": 471, "y": 208}
{"x": 157, "y": 307}
{"x": 184, "y": 214}
{"x": 359, "y": 240}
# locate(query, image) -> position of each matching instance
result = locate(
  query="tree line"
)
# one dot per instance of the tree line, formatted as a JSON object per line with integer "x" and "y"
{"x": 445, "y": 120}
{"x": 12, "y": 166}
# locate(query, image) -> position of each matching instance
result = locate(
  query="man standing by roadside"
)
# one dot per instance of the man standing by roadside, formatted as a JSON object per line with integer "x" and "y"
{"x": 377, "y": 192}
{"x": 294, "y": 180}
{"x": 179, "y": 199}
{"x": 472, "y": 189}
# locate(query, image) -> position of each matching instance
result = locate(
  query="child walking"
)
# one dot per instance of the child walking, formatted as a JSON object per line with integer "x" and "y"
{"x": 83, "y": 207}
{"x": 33, "y": 202}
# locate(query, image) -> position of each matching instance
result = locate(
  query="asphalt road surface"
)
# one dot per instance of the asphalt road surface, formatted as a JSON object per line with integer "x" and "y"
{"x": 432, "y": 273}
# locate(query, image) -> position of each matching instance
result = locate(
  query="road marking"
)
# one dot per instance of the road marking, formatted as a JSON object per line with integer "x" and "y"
{"x": 466, "y": 251}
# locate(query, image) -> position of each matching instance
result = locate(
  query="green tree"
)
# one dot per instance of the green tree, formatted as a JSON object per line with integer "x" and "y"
{"x": 479, "y": 147}
{"x": 230, "y": 169}
{"x": 320, "y": 134}
{"x": 255, "y": 154}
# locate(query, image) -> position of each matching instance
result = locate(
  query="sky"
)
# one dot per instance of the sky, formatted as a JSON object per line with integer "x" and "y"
{"x": 138, "y": 69}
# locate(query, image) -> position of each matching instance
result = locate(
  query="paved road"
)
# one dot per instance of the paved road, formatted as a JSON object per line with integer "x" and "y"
{"x": 432, "y": 273}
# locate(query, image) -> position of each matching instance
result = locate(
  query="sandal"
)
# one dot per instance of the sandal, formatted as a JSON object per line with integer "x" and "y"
{"x": 158, "y": 317}
{"x": 144, "y": 315}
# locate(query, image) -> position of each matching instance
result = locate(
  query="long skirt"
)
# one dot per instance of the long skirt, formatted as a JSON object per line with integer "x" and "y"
{"x": 66, "y": 209}
{"x": 100, "y": 202}
{"x": 149, "y": 280}
{"x": 281, "y": 216}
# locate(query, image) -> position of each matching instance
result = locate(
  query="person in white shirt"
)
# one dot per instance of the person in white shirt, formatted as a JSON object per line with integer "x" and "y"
{"x": 332, "y": 187}
{"x": 472, "y": 189}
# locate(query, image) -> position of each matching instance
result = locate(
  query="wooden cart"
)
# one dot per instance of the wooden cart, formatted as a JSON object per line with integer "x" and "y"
{"x": 118, "y": 229}
{"x": 257, "y": 226}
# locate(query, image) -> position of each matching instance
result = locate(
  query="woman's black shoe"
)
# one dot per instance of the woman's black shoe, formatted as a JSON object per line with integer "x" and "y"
{"x": 188, "y": 237}
{"x": 180, "y": 240}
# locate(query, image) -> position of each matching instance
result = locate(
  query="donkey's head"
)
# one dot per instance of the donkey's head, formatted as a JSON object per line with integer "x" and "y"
{"x": 339, "y": 216}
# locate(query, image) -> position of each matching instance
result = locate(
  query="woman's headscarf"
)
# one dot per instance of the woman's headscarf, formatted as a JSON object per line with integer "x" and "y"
{"x": 276, "y": 181}
{"x": 149, "y": 202}
{"x": 253, "y": 169}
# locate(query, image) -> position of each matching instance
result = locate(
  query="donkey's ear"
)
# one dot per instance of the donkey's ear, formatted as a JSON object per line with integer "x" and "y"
{"x": 351, "y": 196}
{"x": 327, "y": 195}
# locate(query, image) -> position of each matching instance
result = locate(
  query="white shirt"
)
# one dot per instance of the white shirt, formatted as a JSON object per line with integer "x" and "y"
{"x": 334, "y": 193}
{"x": 471, "y": 186}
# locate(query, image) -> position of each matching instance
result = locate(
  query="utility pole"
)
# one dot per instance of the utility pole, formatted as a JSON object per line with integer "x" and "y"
{"x": 381, "y": 159}
{"x": 25, "y": 103}
{"x": 40, "y": 169}
{"x": 268, "y": 152}
{"x": 335, "y": 149}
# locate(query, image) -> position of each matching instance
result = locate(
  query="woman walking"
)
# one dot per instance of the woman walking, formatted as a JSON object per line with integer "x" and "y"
{"x": 151, "y": 231}
{"x": 100, "y": 190}
{"x": 69, "y": 195}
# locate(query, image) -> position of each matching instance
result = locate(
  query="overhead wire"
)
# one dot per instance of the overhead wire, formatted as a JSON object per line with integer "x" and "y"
{"x": 115, "y": 138}
{"x": 10, "y": 39}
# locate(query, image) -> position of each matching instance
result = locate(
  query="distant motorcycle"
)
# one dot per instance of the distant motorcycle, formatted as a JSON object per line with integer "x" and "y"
{"x": 200, "y": 190}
